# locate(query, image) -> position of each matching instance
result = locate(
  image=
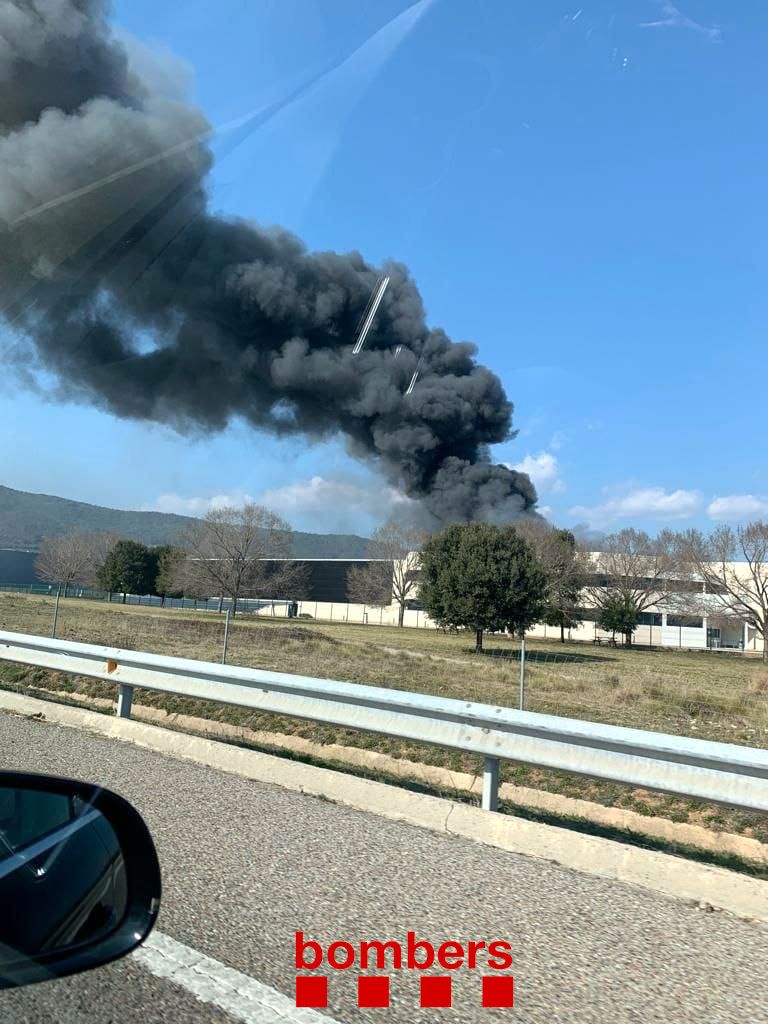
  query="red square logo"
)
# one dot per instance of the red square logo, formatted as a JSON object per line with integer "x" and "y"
{"x": 498, "y": 990}
{"x": 435, "y": 991}
{"x": 311, "y": 990}
{"x": 372, "y": 992}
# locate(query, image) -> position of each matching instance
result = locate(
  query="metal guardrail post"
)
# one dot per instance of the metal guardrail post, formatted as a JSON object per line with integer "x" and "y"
{"x": 490, "y": 801}
{"x": 55, "y": 614}
{"x": 522, "y": 673}
{"x": 124, "y": 701}
{"x": 226, "y": 638}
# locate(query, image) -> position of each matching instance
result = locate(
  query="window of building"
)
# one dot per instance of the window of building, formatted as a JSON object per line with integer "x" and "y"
{"x": 686, "y": 621}
{"x": 683, "y": 586}
{"x": 649, "y": 619}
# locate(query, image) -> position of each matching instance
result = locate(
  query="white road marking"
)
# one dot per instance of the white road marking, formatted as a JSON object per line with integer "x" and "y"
{"x": 213, "y": 982}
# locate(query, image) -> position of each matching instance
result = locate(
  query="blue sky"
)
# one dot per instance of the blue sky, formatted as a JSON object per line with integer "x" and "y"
{"x": 578, "y": 188}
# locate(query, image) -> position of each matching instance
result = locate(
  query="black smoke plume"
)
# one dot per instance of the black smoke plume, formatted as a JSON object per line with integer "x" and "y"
{"x": 141, "y": 301}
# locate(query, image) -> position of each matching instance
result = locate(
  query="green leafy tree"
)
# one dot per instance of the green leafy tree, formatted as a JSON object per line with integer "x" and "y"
{"x": 619, "y": 614}
{"x": 129, "y": 568}
{"x": 563, "y": 614}
{"x": 170, "y": 565}
{"x": 481, "y": 577}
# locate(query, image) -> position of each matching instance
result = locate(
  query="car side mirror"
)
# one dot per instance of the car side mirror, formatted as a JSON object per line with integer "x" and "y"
{"x": 79, "y": 878}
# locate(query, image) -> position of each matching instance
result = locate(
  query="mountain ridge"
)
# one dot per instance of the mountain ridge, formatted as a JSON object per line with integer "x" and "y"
{"x": 27, "y": 518}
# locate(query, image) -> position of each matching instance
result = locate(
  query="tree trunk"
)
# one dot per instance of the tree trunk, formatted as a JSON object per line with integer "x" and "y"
{"x": 478, "y": 641}
{"x": 562, "y": 632}
{"x": 124, "y": 597}
{"x": 627, "y": 639}
{"x": 66, "y": 584}
{"x": 401, "y": 614}
{"x": 221, "y": 603}
{"x": 765, "y": 642}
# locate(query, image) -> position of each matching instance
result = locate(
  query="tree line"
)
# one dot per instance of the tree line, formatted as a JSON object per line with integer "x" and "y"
{"x": 484, "y": 578}
{"x": 474, "y": 576}
{"x": 231, "y": 553}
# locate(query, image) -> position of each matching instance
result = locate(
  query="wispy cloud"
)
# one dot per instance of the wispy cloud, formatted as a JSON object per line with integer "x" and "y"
{"x": 736, "y": 507}
{"x": 673, "y": 17}
{"x": 328, "y": 499}
{"x": 198, "y": 505}
{"x": 559, "y": 438}
{"x": 319, "y": 504}
{"x": 640, "y": 503}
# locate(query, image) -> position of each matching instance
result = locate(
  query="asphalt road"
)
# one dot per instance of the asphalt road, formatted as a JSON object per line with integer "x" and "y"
{"x": 246, "y": 865}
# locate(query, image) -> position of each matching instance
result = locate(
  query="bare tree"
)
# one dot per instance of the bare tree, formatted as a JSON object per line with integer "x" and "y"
{"x": 64, "y": 560}
{"x": 100, "y": 545}
{"x": 732, "y": 564}
{"x": 240, "y": 552}
{"x": 394, "y": 576}
{"x": 558, "y": 554}
{"x": 73, "y": 557}
{"x": 635, "y": 569}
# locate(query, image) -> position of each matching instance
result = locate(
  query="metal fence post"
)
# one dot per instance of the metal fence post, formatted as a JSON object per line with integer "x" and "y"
{"x": 522, "y": 672}
{"x": 55, "y": 613}
{"x": 124, "y": 701}
{"x": 490, "y": 800}
{"x": 226, "y": 638}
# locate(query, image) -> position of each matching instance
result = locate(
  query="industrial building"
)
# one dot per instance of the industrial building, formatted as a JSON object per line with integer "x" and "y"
{"x": 702, "y": 623}
{"x": 326, "y": 598}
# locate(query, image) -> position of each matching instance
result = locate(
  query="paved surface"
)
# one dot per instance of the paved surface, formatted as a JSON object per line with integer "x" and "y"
{"x": 246, "y": 865}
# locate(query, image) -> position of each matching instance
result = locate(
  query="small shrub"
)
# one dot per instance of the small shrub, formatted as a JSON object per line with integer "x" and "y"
{"x": 758, "y": 685}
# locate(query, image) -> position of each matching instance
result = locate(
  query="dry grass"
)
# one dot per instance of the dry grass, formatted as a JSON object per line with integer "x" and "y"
{"x": 706, "y": 694}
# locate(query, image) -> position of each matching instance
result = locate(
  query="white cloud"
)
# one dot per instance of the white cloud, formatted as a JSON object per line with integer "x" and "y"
{"x": 737, "y": 506}
{"x": 197, "y": 506}
{"x": 328, "y": 497}
{"x": 544, "y": 471}
{"x": 641, "y": 503}
{"x": 320, "y": 504}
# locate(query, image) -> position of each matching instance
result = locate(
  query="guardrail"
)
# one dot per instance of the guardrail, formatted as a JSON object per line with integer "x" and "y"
{"x": 719, "y": 772}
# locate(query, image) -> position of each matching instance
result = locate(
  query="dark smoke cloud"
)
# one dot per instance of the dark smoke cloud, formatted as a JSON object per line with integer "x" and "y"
{"x": 107, "y": 241}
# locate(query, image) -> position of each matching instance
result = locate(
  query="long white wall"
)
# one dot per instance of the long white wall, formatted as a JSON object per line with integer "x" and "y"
{"x": 685, "y": 637}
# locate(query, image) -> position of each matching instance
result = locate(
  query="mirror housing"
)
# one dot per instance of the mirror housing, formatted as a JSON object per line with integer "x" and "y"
{"x": 79, "y": 878}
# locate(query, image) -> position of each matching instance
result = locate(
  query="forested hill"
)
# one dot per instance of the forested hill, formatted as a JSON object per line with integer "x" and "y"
{"x": 26, "y": 519}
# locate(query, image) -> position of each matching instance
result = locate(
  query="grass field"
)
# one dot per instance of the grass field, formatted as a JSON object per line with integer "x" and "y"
{"x": 708, "y": 694}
